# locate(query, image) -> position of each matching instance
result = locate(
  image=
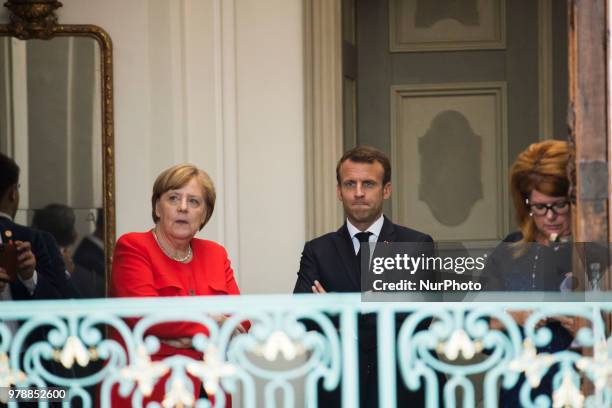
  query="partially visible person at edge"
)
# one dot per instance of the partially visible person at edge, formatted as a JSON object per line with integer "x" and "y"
{"x": 169, "y": 261}
{"x": 537, "y": 257}
{"x": 40, "y": 273}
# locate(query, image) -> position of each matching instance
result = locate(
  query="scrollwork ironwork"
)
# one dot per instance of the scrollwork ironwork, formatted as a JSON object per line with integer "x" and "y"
{"x": 298, "y": 339}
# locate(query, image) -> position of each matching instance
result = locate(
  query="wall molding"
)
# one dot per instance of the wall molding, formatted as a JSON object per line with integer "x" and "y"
{"x": 5, "y": 103}
{"x": 19, "y": 92}
{"x": 226, "y": 114}
{"x": 401, "y": 33}
{"x": 180, "y": 91}
{"x": 400, "y": 205}
{"x": 70, "y": 120}
{"x": 323, "y": 113}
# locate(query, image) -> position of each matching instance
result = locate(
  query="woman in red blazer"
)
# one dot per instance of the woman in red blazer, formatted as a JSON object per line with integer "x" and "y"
{"x": 169, "y": 261}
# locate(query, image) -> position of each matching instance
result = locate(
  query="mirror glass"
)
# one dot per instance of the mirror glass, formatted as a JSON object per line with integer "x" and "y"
{"x": 51, "y": 124}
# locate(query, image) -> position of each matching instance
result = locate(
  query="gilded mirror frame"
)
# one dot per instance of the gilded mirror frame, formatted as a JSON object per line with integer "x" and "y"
{"x": 36, "y": 19}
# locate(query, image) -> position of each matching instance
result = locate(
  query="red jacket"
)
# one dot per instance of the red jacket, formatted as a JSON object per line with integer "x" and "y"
{"x": 141, "y": 269}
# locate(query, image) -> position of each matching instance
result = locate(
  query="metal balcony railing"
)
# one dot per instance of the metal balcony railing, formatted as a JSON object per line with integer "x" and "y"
{"x": 297, "y": 341}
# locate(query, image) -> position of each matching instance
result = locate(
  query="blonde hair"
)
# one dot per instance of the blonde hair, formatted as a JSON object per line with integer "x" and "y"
{"x": 543, "y": 167}
{"x": 177, "y": 177}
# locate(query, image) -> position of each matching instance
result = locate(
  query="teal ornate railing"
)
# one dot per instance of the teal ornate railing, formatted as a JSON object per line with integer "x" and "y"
{"x": 73, "y": 336}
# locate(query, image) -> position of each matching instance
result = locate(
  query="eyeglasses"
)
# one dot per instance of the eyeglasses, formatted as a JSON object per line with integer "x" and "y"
{"x": 558, "y": 208}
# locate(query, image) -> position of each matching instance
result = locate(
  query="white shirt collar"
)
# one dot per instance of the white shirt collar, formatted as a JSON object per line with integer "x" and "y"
{"x": 375, "y": 229}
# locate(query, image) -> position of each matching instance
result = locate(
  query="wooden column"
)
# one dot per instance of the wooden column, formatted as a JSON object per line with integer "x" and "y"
{"x": 588, "y": 123}
{"x": 589, "y": 135}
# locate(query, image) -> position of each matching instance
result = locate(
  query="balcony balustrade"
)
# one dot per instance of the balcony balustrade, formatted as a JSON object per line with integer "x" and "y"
{"x": 281, "y": 358}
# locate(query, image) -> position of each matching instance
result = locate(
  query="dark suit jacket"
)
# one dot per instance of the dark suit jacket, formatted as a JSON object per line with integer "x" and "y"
{"x": 52, "y": 282}
{"x": 331, "y": 260}
{"x": 88, "y": 275}
{"x": 90, "y": 256}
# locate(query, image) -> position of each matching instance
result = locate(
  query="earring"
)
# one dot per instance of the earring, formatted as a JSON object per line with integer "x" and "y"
{"x": 527, "y": 204}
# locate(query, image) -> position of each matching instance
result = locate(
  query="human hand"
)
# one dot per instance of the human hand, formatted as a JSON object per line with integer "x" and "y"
{"x": 318, "y": 288}
{"x": 521, "y": 316}
{"x": 567, "y": 322}
{"x": 180, "y": 342}
{"x": 239, "y": 329}
{"x": 541, "y": 323}
{"x": 4, "y": 279}
{"x": 26, "y": 261}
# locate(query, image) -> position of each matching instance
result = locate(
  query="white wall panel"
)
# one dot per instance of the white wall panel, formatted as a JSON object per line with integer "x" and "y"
{"x": 270, "y": 142}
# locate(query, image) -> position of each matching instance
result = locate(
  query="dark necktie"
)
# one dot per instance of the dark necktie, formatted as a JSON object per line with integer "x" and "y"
{"x": 363, "y": 237}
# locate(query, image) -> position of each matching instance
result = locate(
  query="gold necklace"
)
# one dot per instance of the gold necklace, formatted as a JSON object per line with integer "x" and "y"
{"x": 184, "y": 259}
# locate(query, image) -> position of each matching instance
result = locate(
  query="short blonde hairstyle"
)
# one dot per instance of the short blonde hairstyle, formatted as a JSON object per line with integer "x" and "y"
{"x": 543, "y": 167}
{"x": 177, "y": 177}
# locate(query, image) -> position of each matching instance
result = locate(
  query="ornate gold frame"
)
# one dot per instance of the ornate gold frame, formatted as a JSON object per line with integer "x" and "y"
{"x": 36, "y": 19}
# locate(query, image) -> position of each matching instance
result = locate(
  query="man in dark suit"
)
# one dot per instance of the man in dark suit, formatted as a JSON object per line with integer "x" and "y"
{"x": 331, "y": 263}
{"x": 41, "y": 273}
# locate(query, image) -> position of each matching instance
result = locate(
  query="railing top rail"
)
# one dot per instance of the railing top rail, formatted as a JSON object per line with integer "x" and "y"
{"x": 297, "y": 303}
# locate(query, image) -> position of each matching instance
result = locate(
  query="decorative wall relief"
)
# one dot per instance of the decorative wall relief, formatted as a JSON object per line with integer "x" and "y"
{"x": 450, "y": 168}
{"x": 446, "y": 25}
{"x": 449, "y": 152}
{"x": 430, "y": 12}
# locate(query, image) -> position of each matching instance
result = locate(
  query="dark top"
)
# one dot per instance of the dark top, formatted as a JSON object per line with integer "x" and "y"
{"x": 89, "y": 255}
{"x": 89, "y": 267}
{"x": 52, "y": 282}
{"x": 539, "y": 268}
{"x": 331, "y": 260}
